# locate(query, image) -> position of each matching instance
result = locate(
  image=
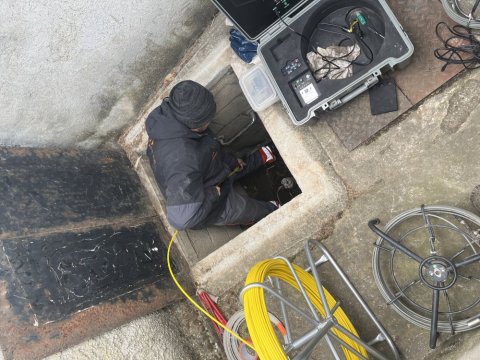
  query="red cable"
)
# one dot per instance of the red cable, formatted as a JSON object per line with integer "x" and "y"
{"x": 210, "y": 306}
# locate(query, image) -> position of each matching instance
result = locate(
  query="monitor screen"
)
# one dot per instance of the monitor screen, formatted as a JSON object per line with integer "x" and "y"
{"x": 255, "y": 16}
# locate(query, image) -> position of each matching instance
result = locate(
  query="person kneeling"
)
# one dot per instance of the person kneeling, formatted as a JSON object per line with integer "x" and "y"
{"x": 194, "y": 172}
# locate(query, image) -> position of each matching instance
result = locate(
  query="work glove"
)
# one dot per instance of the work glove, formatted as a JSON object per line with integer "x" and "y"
{"x": 245, "y": 49}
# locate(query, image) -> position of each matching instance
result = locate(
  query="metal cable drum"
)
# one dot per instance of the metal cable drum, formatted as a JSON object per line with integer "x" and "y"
{"x": 234, "y": 349}
{"x": 457, "y": 235}
{"x": 461, "y": 12}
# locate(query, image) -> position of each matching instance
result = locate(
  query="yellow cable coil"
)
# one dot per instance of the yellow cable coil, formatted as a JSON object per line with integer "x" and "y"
{"x": 261, "y": 331}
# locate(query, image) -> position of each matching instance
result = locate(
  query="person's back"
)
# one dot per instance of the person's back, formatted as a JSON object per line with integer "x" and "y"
{"x": 190, "y": 166}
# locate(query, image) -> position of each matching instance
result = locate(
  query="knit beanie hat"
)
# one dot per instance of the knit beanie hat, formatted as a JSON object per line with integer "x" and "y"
{"x": 192, "y": 104}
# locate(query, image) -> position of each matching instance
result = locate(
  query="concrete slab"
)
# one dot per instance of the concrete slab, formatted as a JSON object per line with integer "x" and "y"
{"x": 430, "y": 146}
{"x": 475, "y": 198}
{"x": 460, "y": 348}
{"x": 175, "y": 332}
{"x": 429, "y": 157}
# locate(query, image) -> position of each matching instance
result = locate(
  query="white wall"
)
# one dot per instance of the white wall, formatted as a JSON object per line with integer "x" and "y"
{"x": 76, "y": 72}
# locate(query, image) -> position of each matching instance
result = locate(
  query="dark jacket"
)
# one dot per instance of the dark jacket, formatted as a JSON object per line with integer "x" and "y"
{"x": 187, "y": 167}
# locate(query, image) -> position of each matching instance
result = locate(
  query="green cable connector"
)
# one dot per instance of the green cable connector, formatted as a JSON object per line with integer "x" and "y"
{"x": 361, "y": 18}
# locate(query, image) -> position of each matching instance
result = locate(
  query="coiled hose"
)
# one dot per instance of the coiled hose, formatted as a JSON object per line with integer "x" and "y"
{"x": 261, "y": 331}
{"x": 454, "y": 11}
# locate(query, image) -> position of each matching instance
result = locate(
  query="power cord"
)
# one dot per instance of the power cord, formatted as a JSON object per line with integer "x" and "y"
{"x": 357, "y": 23}
{"x": 370, "y": 52}
{"x": 460, "y": 46}
{"x": 289, "y": 27}
{"x": 353, "y": 28}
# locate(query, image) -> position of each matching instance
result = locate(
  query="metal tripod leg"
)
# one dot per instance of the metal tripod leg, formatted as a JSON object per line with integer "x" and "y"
{"x": 325, "y": 253}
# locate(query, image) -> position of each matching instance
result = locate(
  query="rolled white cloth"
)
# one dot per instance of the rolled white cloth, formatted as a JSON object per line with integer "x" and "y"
{"x": 334, "y": 62}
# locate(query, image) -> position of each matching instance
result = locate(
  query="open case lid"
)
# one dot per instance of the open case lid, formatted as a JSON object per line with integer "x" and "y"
{"x": 255, "y": 17}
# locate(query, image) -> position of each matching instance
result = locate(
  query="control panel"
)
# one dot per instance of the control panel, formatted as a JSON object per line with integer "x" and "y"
{"x": 306, "y": 89}
{"x": 291, "y": 67}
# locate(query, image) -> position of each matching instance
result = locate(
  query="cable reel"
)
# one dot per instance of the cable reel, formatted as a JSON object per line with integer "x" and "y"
{"x": 236, "y": 350}
{"x": 426, "y": 264}
{"x": 318, "y": 316}
{"x": 456, "y": 12}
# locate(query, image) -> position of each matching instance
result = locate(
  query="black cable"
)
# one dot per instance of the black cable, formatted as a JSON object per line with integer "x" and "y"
{"x": 281, "y": 187}
{"x": 370, "y": 58}
{"x": 331, "y": 62}
{"x": 460, "y": 46}
{"x": 289, "y": 27}
{"x": 359, "y": 34}
{"x": 325, "y": 58}
{"x": 358, "y": 39}
{"x": 334, "y": 25}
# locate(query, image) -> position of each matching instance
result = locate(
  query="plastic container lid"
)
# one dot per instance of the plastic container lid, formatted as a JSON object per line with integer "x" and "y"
{"x": 258, "y": 89}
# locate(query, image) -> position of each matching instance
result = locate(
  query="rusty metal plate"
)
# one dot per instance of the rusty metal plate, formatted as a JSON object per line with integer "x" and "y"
{"x": 81, "y": 250}
{"x": 422, "y": 76}
{"x": 60, "y": 289}
{"x": 44, "y": 188}
{"x": 57, "y": 275}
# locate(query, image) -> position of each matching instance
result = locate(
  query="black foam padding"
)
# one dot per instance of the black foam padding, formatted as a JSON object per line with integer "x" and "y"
{"x": 383, "y": 97}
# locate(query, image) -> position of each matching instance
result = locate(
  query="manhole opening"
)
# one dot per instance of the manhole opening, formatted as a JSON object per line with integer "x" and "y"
{"x": 241, "y": 131}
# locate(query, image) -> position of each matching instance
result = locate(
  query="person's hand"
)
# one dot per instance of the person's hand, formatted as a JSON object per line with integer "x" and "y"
{"x": 218, "y": 190}
{"x": 241, "y": 163}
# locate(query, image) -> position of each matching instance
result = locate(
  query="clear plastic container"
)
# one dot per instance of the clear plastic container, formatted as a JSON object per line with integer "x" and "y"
{"x": 258, "y": 89}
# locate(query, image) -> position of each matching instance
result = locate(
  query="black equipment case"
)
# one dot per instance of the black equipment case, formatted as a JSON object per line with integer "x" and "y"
{"x": 287, "y": 30}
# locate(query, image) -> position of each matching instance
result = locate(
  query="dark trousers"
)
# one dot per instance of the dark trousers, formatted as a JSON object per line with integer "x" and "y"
{"x": 240, "y": 209}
